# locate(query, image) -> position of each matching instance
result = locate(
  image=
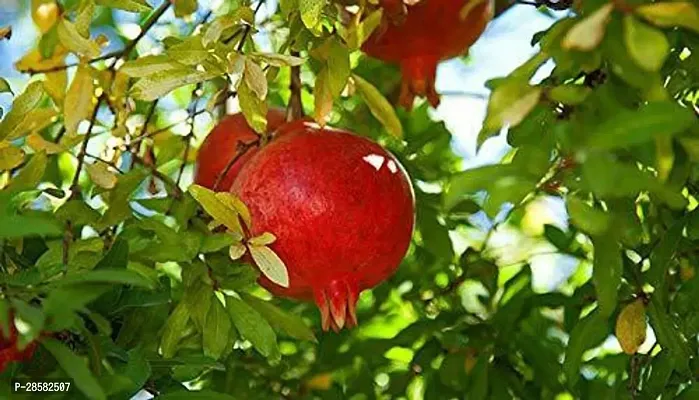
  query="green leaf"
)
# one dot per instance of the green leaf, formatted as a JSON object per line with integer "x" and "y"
{"x": 77, "y": 212}
{"x": 136, "y": 6}
{"x": 589, "y": 332}
{"x": 280, "y": 320}
{"x": 662, "y": 254}
{"x": 184, "y": 7}
{"x": 216, "y": 242}
{"x": 508, "y": 105}
{"x": 16, "y": 226}
{"x": 75, "y": 368}
{"x": 5, "y": 86}
{"x": 647, "y": 46}
{"x": 270, "y": 264}
{"x": 606, "y": 272}
{"x": 71, "y": 38}
{"x": 157, "y": 85}
{"x": 21, "y": 106}
{"x": 662, "y": 366}
{"x": 113, "y": 276}
{"x": 254, "y": 109}
{"x": 10, "y": 157}
{"x": 379, "y": 106}
{"x": 569, "y": 94}
{"x": 473, "y": 180}
{"x": 671, "y": 14}
{"x": 174, "y": 330}
{"x": 219, "y": 211}
{"x": 196, "y": 395}
{"x": 213, "y": 31}
{"x": 587, "y": 218}
{"x": 253, "y": 327}
{"x": 117, "y": 257}
{"x": 628, "y": 128}
{"x": 311, "y": 11}
{"x": 31, "y": 174}
{"x": 79, "y": 102}
{"x": 668, "y": 335}
{"x": 277, "y": 60}
{"x": 216, "y": 330}
{"x": 190, "y": 51}
{"x": 149, "y": 65}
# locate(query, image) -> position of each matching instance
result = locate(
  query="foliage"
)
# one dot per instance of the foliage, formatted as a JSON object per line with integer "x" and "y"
{"x": 116, "y": 269}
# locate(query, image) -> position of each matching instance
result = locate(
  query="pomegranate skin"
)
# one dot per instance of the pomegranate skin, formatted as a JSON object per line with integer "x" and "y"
{"x": 221, "y": 145}
{"x": 9, "y": 351}
{"x": 342, "y": 209}
{"x": 432, "y": 31}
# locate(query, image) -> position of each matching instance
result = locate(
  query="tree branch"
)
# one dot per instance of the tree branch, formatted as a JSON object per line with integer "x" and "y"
{"x": 295, "y": 109}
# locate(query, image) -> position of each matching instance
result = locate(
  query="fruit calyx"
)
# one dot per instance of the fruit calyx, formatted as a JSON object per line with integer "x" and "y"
{"x": 337, "y": 304}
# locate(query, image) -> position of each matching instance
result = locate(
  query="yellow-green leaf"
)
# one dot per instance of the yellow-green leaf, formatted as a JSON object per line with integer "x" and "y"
{"x": 101, "y": 175}
{"x": 34, "y": 121}
{"x": 5, "y": 86}
{"x": 587, "y": 34}
{"x": 161, "y": 83}
{"x": 232, "y": 201}
{"x": 136, "y": 6}
{"x": 10, "y": 157}
{"x": 270, "y": 265}
{"x": 646, "y": 45}
{"x": 255, "y": 78}
{"x": 79, "y": 102}
{"x": 30, "y": 175}
{"x": 74, "y": 41}
{"x": 670, "y": 14}
{"x": 236, "y": 251}
{"x": 569, "y": 94}
{"x": 254, "y": 109}
{"x": 38, "y": 143}
{"x": 311, "y": 11}
{"x": 263, "y": 240}
{"x": 278, "y": 60}
{"x": 323, "y": 98}
{"x": 22, "y": 105}
{"x": 508, "y": 105}
{"x": 190, "y": 52}
{"x": 55, "y": 85}
{"x": 631, "y": 326}
{"x": 220, "y": 212}
{"x": 379, "y": 106}
{"x": 149, "y": 65}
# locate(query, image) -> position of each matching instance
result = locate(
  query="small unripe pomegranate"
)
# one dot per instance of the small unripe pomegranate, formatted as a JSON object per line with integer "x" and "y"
{"x": 433, "y": 30}
{"x": 341, "y": 208}
{"x": 9, "y": 352}
{"x": 222, "y": 145}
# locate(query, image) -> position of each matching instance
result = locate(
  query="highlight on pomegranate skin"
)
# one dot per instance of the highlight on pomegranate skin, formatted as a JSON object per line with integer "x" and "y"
{"x": 432, "y": 31}
{"x": 342, "y": 210}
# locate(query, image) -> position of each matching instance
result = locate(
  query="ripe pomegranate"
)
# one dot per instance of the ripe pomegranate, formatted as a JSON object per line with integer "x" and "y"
{"x": 8, "y": 348}
{"x": 342, "y": 209}
{"x": 221, "y": 145}
{"x": 433, "y": 30}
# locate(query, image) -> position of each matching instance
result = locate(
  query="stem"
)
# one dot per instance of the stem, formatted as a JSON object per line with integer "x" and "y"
{"x": 295, "y": 109}
{"x": 176, "y": 191}
{"x": 242, "y": 149}
{"x": 74, "y": 187}
{"x": 105, "y": 162}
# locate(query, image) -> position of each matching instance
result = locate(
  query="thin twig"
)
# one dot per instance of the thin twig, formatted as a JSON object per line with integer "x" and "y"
{"x": 75, "y": 187}
{"x": 295, "y": 109}
{"x": 105, "y": 162}
{"x": 176, "y": 191}
{"x": 242, "y": 149}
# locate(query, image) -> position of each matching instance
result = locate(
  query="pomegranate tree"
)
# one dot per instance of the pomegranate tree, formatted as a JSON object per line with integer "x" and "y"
{"x": 231, "y": 138}
{"x": 432, "y": 31}
{"x": 341, "y": 208}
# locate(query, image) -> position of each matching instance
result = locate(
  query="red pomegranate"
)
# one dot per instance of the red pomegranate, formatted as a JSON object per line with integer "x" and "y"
{"x": 221, "y": 145}
{"x": 433, "y": 30}
{"x": 342, "y": 209}
{"x": 9, "y": 352}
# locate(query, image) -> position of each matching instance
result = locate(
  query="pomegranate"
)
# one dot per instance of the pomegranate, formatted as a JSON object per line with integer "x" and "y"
{"x": 221, "y": 145}
{"x": 9, "y": 352}
{"x": 433, "y": 30}
{"x": 341, "y": 208}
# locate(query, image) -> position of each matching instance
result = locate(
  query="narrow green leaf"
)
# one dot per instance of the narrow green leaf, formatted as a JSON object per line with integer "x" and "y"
{"x": 190, "y": 51}
{"x": 75, "y": 368}
{"x": 587, "y": 218}
{"x": 16, "y": 226}
{"x": 253, "y": 327}
{"x": 113, "y": 276}
{"x": 589, "y": 332}
{"x": 662, "y": 254}
{"x": 281, "y": 320}
{"x": 117, "y": 257}
{"x": 471, "y": 181}
{"x": 646, "y": 45}
{"x": 149, "y": 65}
{"x": 379, "y": 106}
{"x": 606, "y": 272}
{"x": 5, "y": 86}
{"x": 277, "y": 60}
{"x": 508, "y": 105}
{"x": 311, "y": 11}
{"x": 255, "y": 78}
{"x": 174, "y": 329}
{"x": 161, "y": 83}
{"x": 220, "y": 212}
{"x": 216, "y": 330}
{"x": 670, "y": 14}
{"x": 668, "y": 335}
